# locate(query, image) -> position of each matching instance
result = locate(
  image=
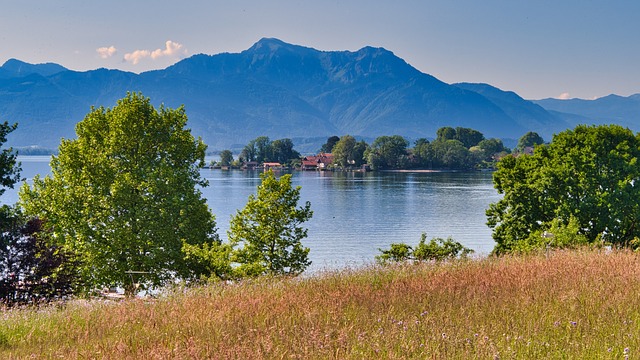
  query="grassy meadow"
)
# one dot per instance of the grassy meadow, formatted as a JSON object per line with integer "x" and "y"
{"x": 568, "y": 305}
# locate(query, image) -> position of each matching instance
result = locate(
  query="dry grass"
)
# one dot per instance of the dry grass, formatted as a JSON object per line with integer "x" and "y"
{"x": 569, "y": 305}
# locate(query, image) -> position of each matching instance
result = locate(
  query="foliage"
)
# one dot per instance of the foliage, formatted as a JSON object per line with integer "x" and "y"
{"x": 32, "y": 270}
{"x": 124, "y": 196}
{"x": 249, "y": 152}
{"x": 396, "y": 253}
{"x": 439, "y": 249}
{"x": 468, "y": 137}
{"x": 269, "y": 232}
{"x": 451, "y": 154}
{"x": 492, "y": 148}
{"x": 584, "y": 180}
{"x": 226, "y": 157}
{"x": 348, "y": 152}
{"x": 262, "y": 149}
{"x": 213, "y": 260}
{"x": 555, "y": 235}
{"x": 282, "y": 151}
{"x": 455, "y": 149}
{"x": 445, "y": 133}
{"x": 388, "y": 152}
{"x": 529, "y": 139}
{"x": 436, "y": 249}
{"x": 328, "y": 146}
{"x": 9, "y": 167}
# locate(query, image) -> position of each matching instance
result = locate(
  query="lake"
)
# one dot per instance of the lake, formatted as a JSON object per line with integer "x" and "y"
{"x": 355, "y": 214}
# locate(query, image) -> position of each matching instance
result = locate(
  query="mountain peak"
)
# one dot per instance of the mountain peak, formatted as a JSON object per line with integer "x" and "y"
{"x": 21, "y": 68}
{"x": 272, "y": 45}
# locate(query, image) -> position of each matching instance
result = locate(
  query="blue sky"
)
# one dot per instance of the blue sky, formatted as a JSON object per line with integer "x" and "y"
{"x": 539, "y": 49}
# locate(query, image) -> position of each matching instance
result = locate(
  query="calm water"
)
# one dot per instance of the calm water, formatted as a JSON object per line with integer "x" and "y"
{"x": 356, "y": 213}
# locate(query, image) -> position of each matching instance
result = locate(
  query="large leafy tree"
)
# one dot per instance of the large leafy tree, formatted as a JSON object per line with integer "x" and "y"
{"x": 249, "y": 152}
{"x": 269, "y": 230}
{"x": 263, "y": 149}
{"x": 529, "y": 139}
{"x": 283, "y": 152}
{"x": 328, "y": 146}
{"x": 468, "y": 137}
{"x": 451, "y": 154}
{"x": 388, "y": 152}
{"x": 9, "y": 167}
{"x": 586, "y": 179}
{"x": 124, "y": 195}
{"x": 348, "y": 152}
{"x": 226, "y": 157}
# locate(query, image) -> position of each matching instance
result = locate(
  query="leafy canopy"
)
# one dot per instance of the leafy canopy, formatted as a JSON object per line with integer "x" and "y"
{"x": 9, "y": 167}
{"x": 586, "y": 181}
{"x": 124, "y": 195}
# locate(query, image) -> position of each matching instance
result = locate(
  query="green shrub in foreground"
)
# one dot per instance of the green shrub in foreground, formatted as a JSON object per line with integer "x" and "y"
{"x": 437, "y": 249}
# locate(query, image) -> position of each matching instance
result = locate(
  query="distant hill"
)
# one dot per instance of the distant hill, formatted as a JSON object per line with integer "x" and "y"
{"x": 17, "y": 68}
{"x": 616, "y": 109}
{"x": 525, "y": 113}
{"x": 275, "y": 89}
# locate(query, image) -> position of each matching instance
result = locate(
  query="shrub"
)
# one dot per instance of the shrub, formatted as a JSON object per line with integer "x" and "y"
{"x": 32, "y": 270}
{"x": 437, "y": 249}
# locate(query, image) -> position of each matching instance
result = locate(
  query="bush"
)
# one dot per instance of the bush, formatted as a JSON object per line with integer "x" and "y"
{"x": 556, "y": 235}
{"x": 437, "y": 249}
{"x": 32, "y": 270}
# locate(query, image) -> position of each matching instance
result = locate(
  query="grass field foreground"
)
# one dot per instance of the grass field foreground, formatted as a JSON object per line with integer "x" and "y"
{"x": 570, "y": 305}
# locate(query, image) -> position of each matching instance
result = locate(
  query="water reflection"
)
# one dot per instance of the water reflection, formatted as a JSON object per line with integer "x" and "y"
{"x": 357, "y": 213}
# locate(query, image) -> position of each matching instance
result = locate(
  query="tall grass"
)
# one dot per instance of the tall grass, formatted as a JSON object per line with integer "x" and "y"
{"x": 570, "y": 305}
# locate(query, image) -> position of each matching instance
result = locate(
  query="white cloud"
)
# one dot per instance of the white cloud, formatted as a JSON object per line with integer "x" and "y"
{"x": 136, "y": 56}
{"x": 172, "y": 49}
{"x": 564, "y": 96}
{"x": 106, "y": 52}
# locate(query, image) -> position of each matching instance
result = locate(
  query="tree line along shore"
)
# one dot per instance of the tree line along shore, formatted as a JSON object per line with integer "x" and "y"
{"x": 122, "y": 206}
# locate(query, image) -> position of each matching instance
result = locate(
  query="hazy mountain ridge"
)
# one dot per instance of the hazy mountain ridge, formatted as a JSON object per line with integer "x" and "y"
{"x": 274, "y": 89}
{"x": 613, "y": 108}
{"x": 17, "y": 68}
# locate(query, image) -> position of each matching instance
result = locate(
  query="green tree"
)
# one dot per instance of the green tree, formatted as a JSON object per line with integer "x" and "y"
{"x": 388, "y": 152}
{"x": 491, "y": 147}
{"x": 358, "y": 153}
{"x": 445, "y": 133}
{"x": 226, "y": 157}
{"x": 588, "y": 174}
{"x": 328, "y": 146}
{"x": 451, "y": 154}
{"x": 347, "y": 152}
{"x": 249, "y": 152}
{"x": 529, "y": 139}
{"x": 423, "y": 151}
{"x": 263, "y": 149}
{"x": 124, "y": 195}
{"x": 9, "y": 167}
{"x": 468, "y": 137}
{"x": 269, "y": 232}
{"x": 282, "y": 151}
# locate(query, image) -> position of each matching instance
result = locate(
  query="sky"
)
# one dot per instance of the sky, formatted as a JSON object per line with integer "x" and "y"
{"x": 539, "y": 49}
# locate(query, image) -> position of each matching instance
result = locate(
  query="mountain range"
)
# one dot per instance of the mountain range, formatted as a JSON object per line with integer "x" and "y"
{"x": 283, "y": 90}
